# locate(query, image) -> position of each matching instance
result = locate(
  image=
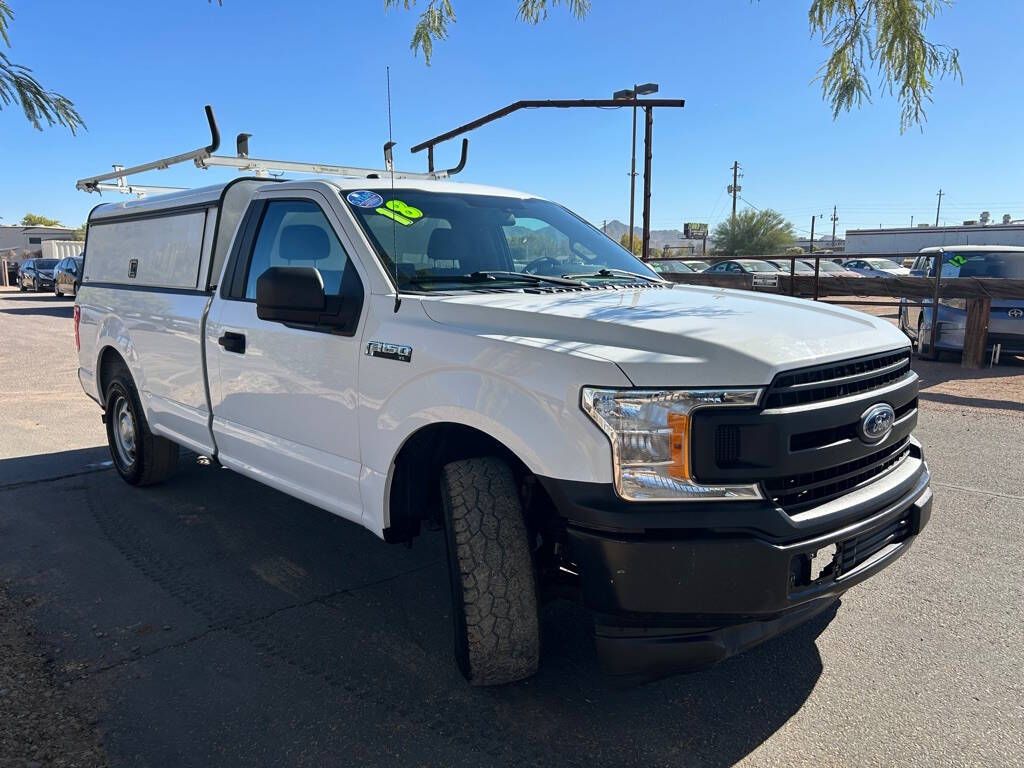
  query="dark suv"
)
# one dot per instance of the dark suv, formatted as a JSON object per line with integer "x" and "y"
{"x": 36, "y": 274}
{"x": 67, "y": 275}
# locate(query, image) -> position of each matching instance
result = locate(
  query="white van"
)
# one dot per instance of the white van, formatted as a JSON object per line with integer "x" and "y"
{"x": 706, "y": 467}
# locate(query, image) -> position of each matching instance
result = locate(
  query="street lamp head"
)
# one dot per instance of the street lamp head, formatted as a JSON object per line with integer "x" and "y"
{"x": 625, "y": 94}
{"x": 646, "y": 89}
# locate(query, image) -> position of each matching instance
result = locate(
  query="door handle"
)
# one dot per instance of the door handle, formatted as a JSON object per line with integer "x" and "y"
{"x": 233, "y": 342}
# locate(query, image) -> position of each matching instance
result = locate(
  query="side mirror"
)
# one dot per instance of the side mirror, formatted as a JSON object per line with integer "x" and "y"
{"x": 290, "y": 295}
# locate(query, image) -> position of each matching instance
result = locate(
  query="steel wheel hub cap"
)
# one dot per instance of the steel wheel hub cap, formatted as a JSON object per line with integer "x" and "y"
{"x": 124, "y": 431}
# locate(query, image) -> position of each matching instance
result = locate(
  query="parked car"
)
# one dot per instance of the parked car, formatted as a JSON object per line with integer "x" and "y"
{"x": 669, "y": 265}
{"x": 783, "y": 265}
{"x": 697, "y": 265}
{"x": 744, "y": 265}
{"x": 693, "y": 463}
{"x": 875, "y": 267}
{"x": 831, "y": 269}
{"x": 67, "y": 275}
{"x": 36, "y": 274}
{"x": 1006, "y": 321}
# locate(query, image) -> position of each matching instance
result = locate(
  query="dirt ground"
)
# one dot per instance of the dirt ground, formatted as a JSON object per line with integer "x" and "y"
{"x": 38, "y": 725}
{"x": 945, "y": 383}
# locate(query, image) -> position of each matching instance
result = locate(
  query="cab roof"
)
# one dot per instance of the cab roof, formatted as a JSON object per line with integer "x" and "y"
{"x": 211, "y": 195}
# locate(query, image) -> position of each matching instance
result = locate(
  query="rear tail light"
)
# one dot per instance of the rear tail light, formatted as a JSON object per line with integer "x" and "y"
{"x": 78, "y": 340}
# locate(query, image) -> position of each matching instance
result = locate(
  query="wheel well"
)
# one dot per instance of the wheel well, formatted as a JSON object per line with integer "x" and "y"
{"x": 415, "y": 487}
{"x": 110, "y": 361}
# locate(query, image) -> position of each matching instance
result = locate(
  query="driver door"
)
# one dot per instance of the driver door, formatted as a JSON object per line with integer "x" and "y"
{"x": 285, "y": 396}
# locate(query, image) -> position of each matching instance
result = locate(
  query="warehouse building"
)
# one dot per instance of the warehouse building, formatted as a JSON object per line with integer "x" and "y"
{"x": 913, "y": 239}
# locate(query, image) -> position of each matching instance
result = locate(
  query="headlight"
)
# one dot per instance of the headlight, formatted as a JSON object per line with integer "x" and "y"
{"x": 649, "y": 430}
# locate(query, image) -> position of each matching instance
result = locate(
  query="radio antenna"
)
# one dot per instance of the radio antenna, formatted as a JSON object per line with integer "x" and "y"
{"x": 390, "y": 165}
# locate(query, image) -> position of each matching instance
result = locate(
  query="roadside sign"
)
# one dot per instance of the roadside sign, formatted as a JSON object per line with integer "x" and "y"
{"x": 693, "y": 230}
{"x": 766, "y": 281}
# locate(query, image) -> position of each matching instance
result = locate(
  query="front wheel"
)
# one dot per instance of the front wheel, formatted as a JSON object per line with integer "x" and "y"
{"x": 140, "y": 457}
{"x": 494, "y": 592}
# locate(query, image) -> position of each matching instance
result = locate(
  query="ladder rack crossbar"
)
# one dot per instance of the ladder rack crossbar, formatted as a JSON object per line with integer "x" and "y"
{"x": 203, "y": 158}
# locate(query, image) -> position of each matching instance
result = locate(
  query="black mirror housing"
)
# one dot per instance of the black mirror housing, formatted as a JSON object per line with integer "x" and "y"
{"x": 290, "y": 295}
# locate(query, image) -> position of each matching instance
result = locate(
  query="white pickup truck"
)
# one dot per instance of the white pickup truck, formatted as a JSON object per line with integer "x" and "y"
{"x": 704, "y": 468}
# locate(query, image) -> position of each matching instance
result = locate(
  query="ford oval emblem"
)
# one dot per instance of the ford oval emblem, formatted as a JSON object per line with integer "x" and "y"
{"x": 876, "y": 423}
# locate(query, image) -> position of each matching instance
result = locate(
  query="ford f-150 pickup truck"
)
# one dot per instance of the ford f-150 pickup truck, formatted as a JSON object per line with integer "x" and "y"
{"x": 704, "y": 468}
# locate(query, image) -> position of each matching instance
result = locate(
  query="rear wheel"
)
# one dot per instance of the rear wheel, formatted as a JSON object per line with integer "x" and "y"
{"x": 494, "y": 593}
{"x": 141, "y": 458}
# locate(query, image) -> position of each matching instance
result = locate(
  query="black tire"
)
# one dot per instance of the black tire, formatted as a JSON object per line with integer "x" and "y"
{"x": 56, "y": 291}
{"x": 21, "y": 285}
{"x": 494, "y": 592}
{"x": 922, "y": 346}
{"x": 74, "y": 289}
{"x": 152, "y": 458}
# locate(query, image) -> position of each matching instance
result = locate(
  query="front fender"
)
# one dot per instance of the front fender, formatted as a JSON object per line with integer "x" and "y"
{"x": 546, "y": 430}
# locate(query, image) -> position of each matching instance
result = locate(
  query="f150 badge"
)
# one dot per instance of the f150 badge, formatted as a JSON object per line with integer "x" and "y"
{"x": 400, "y": 352}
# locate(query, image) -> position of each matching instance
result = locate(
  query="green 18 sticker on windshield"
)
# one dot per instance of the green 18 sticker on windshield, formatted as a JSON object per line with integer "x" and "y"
{"x": 398, "y": 211}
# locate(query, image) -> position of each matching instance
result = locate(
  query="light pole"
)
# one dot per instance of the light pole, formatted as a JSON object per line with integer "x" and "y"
{"x": 632, "y": 93}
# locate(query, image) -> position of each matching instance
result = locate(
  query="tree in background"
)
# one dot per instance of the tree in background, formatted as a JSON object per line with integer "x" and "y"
{"x": 79, "y": 233}
{"x": 35, "y": 220}
{"x": 887, "y": 36}
{"x": 17, "y": 86}
{"x": 638, "y": 244}
{"x": 753, "y": 233}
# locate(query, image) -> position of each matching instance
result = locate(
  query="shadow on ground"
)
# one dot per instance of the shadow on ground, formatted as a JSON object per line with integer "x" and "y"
{"x": 219, "y": 622}
{"x": 67, "y": 311}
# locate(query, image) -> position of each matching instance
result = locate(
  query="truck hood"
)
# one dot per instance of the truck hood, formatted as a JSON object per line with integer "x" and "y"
{"x": 678, "y": 336}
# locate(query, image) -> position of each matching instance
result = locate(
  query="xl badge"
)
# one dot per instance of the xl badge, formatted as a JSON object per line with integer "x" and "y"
{"x": 876, "y": 423}
{"x": 400, "y": 352}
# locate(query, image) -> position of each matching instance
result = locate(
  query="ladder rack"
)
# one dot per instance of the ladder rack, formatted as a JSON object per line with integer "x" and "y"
{"x": 204, "y": 157}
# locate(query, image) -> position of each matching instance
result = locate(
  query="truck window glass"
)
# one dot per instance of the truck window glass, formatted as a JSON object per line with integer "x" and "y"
{"x": 417, "y": 233}
{"x": 296, "y": 233}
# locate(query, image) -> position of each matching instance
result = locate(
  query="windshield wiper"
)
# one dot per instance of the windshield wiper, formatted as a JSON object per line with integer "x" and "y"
{"x": 615, "y": 273}
{"x": 495, "y": 276}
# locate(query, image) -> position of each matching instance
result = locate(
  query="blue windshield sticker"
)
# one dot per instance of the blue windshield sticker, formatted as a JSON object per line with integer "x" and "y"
{"x": 364, "y": 198}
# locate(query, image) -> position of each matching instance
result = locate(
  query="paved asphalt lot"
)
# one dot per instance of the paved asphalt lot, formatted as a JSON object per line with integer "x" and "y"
{"x": 212, "y": 621}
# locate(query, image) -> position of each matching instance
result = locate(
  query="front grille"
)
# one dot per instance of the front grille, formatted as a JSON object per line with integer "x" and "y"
{"x": 819, "y": 438}
{"x": 857, "y": 551}
{"x": 835, "y": 380}
{"x": 796, "y": 493}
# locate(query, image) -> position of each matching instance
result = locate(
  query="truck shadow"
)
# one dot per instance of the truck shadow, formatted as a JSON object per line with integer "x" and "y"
{"x": 279, "y": 619}
{"x": 67, "y": 311}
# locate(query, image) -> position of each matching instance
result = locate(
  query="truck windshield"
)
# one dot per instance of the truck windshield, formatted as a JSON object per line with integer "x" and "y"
{"x": 1005, "y": 264}
{"x": 424, "y": 237}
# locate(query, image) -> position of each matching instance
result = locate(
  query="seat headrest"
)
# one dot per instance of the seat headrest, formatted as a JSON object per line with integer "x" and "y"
{"x": 304, "y": 242}
{"x": 445, "y": 244}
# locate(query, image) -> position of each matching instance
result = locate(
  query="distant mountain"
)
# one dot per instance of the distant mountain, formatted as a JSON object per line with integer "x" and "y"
{"x": 615, "y": 229}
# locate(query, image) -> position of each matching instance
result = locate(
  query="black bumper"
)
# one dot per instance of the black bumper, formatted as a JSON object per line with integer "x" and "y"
{"x": 680, "y": 599}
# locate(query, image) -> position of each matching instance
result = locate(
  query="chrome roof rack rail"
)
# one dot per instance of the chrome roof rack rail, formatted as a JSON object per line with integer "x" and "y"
{"x": 204, "y": 157}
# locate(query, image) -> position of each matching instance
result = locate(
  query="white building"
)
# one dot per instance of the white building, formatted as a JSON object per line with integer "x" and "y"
{"x": 18, "y": 238}
{"x": 911, "y": 240}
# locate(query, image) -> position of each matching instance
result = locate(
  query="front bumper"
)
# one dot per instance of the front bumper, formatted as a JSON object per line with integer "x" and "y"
{"x": 675, "y": 599}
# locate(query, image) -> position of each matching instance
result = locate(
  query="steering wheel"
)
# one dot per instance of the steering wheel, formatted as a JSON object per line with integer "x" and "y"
{"x": 537, "y": 264}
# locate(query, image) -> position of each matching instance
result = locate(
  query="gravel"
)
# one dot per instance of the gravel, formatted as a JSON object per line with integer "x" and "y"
{"x": 38, "y": 726}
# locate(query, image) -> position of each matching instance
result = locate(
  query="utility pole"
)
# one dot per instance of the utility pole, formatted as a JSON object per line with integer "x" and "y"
{"x": 811, "y": 247}
{"x": 604, "y": 226}
{"x": 835, "y": 218}
{"x": 648, "y": 156}
{"x": 938, "y": 208}
{"x": 632, "y": 176}
{"x": 735, "y": 188}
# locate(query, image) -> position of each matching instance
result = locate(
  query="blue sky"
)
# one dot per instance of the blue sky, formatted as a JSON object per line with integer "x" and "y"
{"x": 308, "y": 80}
